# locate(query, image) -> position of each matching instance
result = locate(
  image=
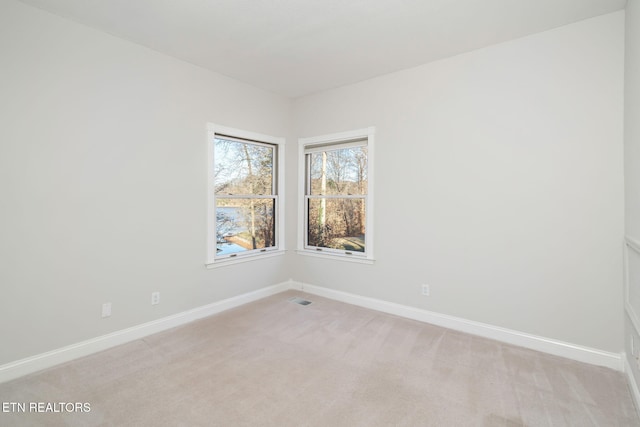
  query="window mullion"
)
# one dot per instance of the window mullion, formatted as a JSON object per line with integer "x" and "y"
{"x": 246, "y": 196}
{"x": 337, "y": 196}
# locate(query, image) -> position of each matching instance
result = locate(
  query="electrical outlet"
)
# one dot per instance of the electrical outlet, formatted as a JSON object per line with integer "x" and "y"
{"x": 106, "y": 309}
{"x": 155, "y": 298}
{"x": 425, "y": 290}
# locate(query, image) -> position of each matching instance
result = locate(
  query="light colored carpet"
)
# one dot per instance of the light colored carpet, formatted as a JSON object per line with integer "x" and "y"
{"x": 276, "y": 363}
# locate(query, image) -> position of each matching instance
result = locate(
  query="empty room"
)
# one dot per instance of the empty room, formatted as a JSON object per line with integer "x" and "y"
{"x": 320, "y": 213}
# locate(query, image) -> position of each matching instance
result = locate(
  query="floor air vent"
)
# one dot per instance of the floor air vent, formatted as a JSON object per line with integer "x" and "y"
{"x": 300, "y": 301}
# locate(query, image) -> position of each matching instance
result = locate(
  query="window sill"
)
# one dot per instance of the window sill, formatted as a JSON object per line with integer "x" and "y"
{"x": 336, "y": 257}
{"x": 246, "y": 258}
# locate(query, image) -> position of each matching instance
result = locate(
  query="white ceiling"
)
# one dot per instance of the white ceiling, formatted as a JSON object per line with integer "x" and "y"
{"x": 297, "y": 47}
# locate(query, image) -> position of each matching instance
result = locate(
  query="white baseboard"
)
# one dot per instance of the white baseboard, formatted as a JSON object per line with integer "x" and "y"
{"x": 41, "y": 361}
{"x": 533, "y": 342}
{"x": 38, "y": 362}
{"x": 631, "y": 380}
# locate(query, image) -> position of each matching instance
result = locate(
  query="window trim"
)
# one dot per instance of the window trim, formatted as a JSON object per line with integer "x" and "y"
{"x": 279, "y": 249}
{"x": 307, "y": 144}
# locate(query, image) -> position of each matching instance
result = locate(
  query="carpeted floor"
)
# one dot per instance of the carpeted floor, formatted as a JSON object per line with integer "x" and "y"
{"x": 277, "y": 363}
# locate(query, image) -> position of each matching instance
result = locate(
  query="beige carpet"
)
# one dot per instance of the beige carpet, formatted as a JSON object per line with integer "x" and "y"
{"x": 276, "y": 363}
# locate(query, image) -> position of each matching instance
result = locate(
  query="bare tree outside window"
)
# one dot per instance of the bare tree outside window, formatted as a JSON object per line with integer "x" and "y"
{"x": 336, "y": 197}
{"x": 245, "y": 195}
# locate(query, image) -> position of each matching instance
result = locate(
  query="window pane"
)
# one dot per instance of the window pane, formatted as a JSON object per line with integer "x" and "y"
{"x": 243, "y": 167}
{"x": 244, "y": 224}
{"x": 342, "y": 171}
{"x": 337, "y": 223}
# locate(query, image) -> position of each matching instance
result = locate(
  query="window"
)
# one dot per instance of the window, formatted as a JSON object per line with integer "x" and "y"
{"x": 335, "y": 214}
{"x": 244, "y": 194}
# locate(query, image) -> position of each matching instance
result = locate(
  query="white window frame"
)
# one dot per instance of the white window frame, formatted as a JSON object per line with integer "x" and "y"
{"x": 279, "y": 166}
{"x": 306, "y": 144}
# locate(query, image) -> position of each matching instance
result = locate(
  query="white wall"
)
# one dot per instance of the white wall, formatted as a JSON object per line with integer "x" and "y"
{"x": 632, "y": 162}
{"x": 499, "y": 182}
{"x": 632, "y": 120}
{"x": 103, "y": 181}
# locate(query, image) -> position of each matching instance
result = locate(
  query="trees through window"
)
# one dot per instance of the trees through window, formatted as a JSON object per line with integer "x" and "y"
{"x": 337, "y": 195}
{"x": 244, "y": 204}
